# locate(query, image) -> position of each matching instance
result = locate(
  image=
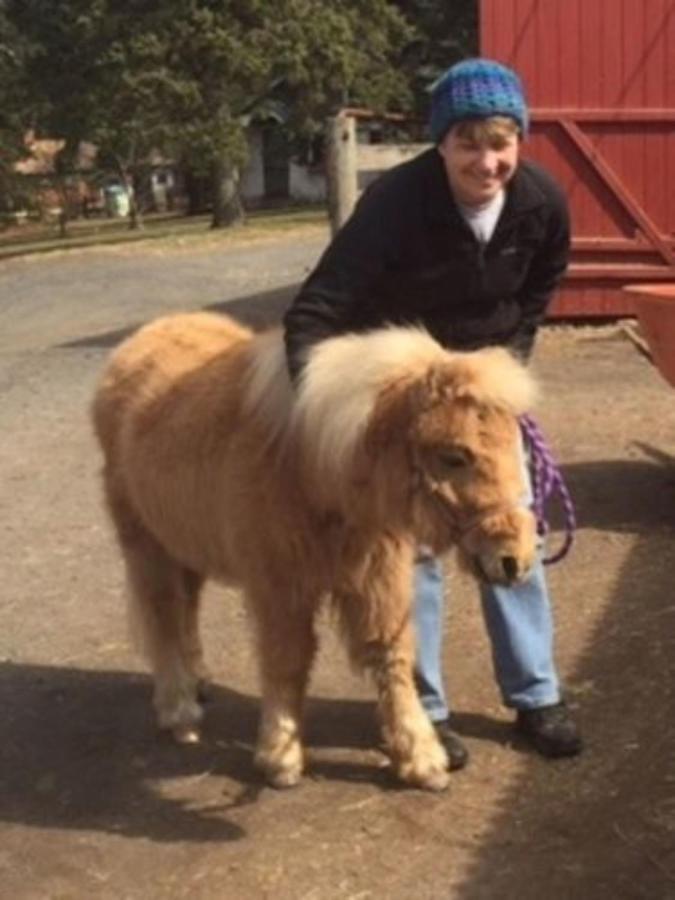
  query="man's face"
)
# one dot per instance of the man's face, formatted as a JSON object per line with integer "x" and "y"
{"x": 478, "y": 170}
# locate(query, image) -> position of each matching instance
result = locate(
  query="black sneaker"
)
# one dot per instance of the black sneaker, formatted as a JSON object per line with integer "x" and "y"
{"x": 551, "y": 730}
{"x": 458, "y": 755}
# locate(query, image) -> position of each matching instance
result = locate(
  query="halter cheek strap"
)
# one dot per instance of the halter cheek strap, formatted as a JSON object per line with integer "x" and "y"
{"x": 547, "y": 482}
{"x": 459, "y": 527}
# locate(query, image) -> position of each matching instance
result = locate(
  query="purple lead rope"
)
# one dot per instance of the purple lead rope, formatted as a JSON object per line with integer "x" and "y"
{"x": 547, "y": 480}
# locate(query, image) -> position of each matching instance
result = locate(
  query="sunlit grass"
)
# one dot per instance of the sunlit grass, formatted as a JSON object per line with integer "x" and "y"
{"x": 170, "y": 230}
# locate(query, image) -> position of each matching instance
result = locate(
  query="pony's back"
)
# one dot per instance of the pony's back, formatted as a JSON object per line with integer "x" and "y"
{"x": 167, "y": 414}
{"x": 152, "y": 364}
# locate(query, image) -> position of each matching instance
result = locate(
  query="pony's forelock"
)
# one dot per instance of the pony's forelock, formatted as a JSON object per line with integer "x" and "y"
{"x": 342, "y": 380}
{"x": 494, "y": 377}
{"x": 330, "y": 408}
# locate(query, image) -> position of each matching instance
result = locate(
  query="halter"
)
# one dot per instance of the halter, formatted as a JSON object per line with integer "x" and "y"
{"x": 547, "y": 480}
{"x": 459, "y": 529}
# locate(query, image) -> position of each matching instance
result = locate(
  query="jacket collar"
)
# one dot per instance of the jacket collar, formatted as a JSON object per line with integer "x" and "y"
{"x": 523, "y": 194}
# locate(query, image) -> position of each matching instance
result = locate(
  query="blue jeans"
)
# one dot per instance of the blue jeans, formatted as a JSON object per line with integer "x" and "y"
{"x": 520, "y": 627}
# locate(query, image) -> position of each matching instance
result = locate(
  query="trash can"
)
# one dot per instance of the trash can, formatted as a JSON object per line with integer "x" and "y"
{"x": 116, "y": 201}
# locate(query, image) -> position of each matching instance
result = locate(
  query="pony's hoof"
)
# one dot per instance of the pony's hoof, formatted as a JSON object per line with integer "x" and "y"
{"x": 180, "y": 718}
{"x": 283, "y": 779}
{"x": 186, "y": 734}
{"x": 428, "y": 771}
{"x": 435, "y": 781}
{"x": 428, "y": 780}
{"x": 281, "y": 770}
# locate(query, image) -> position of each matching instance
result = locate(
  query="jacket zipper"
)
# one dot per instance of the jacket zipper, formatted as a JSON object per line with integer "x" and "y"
{"x": 481, "y": 263}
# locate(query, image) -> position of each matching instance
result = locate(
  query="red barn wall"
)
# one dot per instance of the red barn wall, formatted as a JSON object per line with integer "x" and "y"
{"x": 600, "y": 81}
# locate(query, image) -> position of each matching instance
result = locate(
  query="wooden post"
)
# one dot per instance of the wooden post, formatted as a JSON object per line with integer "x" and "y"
{"x": 342, "y": 169}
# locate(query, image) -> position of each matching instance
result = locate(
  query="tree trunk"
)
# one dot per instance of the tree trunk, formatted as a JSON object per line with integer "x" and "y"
{"x": 227, "y": 205}
{"x": 135, "y": 218}
{"x": 197, "y": 191}
{"x": 62, "y": 193}
{"x": 127, "y": 179}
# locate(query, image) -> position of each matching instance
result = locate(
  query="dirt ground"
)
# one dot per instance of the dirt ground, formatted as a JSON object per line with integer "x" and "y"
{"x": 94, "y": 804}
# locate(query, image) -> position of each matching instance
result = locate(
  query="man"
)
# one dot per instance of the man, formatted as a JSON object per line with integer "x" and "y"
{"x": 470, "y": 241}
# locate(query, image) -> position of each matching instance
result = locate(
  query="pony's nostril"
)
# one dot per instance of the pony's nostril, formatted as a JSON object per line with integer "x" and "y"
{"x": 510, "y": 567}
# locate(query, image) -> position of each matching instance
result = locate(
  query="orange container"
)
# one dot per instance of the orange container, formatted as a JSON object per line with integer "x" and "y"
{"x": 655, "y": 308}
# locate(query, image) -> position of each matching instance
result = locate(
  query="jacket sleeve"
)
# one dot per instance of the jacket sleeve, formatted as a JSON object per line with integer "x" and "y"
{"x": 328, "y": 301}
{"x": 546, "y": 271}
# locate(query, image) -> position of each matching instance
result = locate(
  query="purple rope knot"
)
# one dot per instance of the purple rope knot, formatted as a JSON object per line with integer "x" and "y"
{"x": 547, "y": 480}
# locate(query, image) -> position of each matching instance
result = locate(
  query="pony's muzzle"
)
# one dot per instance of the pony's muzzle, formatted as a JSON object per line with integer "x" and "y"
{"x": 502, "y": 570}
{"x": 510, "y": 567}
{"x": 502, "y": 548}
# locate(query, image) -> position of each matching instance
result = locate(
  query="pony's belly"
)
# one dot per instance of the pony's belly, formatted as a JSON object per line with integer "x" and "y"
{"x": 185, "y": 523}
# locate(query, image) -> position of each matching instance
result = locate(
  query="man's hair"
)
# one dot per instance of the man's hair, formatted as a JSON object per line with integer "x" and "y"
{"x": 487, "y": 131}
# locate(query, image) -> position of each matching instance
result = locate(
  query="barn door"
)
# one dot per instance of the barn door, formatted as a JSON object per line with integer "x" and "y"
{"x": 601, "y": 87}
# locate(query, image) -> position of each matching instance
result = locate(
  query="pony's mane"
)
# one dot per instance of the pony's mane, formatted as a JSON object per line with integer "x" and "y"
{"x": 268, "y": 393}
{"x": 341, "y": 383}
{"x": 493, "y": 377}
{"x": 332, "y": 405}
{"x": 338, "y": 386}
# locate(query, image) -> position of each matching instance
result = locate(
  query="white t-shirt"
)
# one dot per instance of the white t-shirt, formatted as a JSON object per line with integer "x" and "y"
{"x": 482, "y": 220}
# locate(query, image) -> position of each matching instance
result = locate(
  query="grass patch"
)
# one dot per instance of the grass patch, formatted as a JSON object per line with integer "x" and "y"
{"x": 174, "y": 230}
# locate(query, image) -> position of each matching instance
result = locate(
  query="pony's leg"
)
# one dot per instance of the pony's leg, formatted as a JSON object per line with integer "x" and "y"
{"x": 163, "y": 610}
{"x": 417, "y": 755}
{"x": 165, "y": 613}
{"x": 286, "y": 648}
{"x": 377, "y": 624}
{"x": 192, "y": 644}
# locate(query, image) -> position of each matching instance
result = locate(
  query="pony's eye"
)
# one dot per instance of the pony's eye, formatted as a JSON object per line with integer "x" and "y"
{"x": 457, "y": 458}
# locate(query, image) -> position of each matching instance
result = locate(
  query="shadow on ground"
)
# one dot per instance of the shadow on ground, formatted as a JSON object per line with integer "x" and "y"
{"x": 624, "y": 495}
{"x": 84, "y": 754}
{"x": 603, "y": 825}
{"x": 258, "y": 311}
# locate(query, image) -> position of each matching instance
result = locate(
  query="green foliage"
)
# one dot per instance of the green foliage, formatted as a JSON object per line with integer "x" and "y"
{"x": 341, "y": 54}
{"x": 186, "y": 77}
{"x": 445, "y": 32}
{"x": 13, "y": 113}
{"x": 231, "y": 62}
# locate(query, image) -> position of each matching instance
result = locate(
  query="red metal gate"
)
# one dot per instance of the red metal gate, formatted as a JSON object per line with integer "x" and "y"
{"x": 600, "y": 80}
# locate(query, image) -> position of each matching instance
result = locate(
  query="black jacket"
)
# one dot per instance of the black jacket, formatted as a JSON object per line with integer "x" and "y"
{"x": 406, "y": 255}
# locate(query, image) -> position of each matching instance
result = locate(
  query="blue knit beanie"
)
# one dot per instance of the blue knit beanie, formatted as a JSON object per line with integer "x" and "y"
{"x": 476, "y": 89}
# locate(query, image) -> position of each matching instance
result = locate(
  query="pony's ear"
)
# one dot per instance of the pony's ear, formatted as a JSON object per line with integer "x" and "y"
{"x": 400, "y": 403}
{"x": 390, "y": 419}
{"x": 432, "y": 389}
{"x": 491, "y": 377}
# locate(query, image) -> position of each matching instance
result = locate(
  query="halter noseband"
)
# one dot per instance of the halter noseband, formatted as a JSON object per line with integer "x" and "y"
{"x": 459, "y": 529}
{"x": 547, "y": 481}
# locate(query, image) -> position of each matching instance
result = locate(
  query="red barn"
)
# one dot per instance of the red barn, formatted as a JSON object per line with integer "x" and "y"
{"x": 600, "y": 80}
